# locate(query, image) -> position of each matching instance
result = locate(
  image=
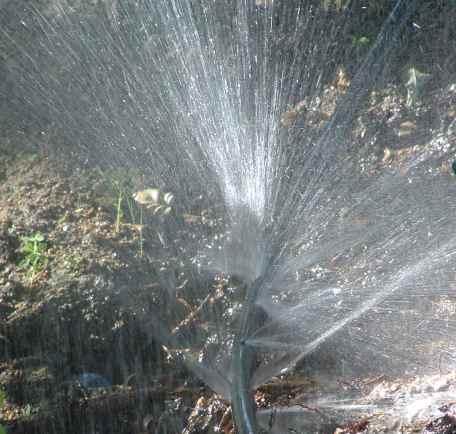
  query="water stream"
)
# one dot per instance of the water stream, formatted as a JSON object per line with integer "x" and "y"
{"x": 355, "y": 258}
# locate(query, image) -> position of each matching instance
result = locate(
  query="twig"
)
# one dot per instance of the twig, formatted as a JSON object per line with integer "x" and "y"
{"x": 211, "y": 298}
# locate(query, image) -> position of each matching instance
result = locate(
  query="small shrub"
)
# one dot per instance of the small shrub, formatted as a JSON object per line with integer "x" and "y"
{"x": 2, "y": 403}
{"x": 33, "y": 250}
{"x": 119, "y": 187}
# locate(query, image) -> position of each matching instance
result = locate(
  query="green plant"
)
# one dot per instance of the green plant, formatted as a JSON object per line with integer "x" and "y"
{"x": 360, "y": 41}
{"x": 158, "y": 203}
{"x": 130, "y": 203}
{"x": 33, "y": 249}
{"x": 119, "y": 213}
{"x": 141, "y": 235}
{"x": 2, "y": 403}
{"x": 120, "y": 187}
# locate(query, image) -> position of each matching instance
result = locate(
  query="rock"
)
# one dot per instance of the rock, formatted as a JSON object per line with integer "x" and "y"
{"x": 89, "y": 380}
{"x": 406, "y": 128}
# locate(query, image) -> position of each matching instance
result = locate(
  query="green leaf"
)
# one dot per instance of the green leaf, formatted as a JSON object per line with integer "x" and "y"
{"x": 2, "y": 398}
{"x": 38, "y": 237}
{"x": 2, "y": 429}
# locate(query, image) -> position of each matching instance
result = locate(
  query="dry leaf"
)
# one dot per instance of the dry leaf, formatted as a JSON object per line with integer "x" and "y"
{"x": 147, "y": 197}
{"x": 406, "y": 128}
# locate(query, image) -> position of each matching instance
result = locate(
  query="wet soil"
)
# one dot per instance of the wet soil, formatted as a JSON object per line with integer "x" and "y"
{"x": 86, "y": 307}
{"x": 83, "y": 310}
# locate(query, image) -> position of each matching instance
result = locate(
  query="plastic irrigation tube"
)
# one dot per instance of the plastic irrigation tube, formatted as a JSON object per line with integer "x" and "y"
{"x": 243, "y": 360}
{"x": 242, "y": 402}
{"x": 243, "y": 357}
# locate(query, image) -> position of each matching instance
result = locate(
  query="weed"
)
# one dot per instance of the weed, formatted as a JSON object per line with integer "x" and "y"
{"x": 120, "y": 189}
{"x": 119, "y": 213}
{"x": 62, "y": 219}
{"x": 361, "y": 41}
{"x": 2, "y": 403}
{"x": 141, "y": 235}
{"x": 129, "y": 203}
{"x": 33, "y": 249}
{"x": 156, "y": 201}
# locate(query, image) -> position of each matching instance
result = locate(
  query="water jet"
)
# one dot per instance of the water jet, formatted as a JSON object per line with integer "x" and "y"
{"x": 344, "y": 259}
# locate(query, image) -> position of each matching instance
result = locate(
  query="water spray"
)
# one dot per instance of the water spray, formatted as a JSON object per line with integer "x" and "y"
{"x": 191, "y": 95}
{"x": 243, "y": 357}
{"x": 243, "y": 361}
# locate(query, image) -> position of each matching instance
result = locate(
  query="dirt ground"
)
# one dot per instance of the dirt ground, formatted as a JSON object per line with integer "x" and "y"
{"x": 78, "y": 310}
{"x": 80, "y": 278}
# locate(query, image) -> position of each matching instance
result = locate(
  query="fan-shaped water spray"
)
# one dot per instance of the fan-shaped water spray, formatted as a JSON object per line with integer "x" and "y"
{"x": 340, "y": 258}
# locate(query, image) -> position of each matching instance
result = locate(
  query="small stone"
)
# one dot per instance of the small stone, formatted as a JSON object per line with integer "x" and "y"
{"x": 406, "y": 128}
{"x": 387, "y": 155}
